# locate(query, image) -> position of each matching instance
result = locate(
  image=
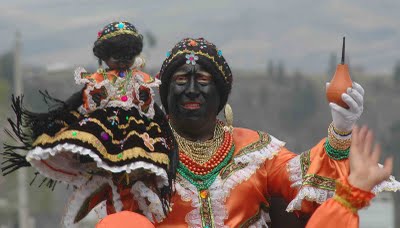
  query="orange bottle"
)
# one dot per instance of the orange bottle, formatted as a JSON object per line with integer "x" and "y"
{"x": 339, "y": 83}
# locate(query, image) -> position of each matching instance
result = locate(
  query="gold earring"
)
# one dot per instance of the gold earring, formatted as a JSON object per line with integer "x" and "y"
{"x": 229, "y": 116}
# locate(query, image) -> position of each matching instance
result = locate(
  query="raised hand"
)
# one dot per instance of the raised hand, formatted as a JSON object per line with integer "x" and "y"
{"x": 365, "y": 172}
{"x": 344, "y": 119}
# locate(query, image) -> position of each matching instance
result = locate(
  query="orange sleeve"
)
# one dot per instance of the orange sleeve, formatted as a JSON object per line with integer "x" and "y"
{"x": 332, "y": 214}
{"x": 342, "y": 208}
{"x": 305, "y": 180}
{"x": 278, "y": 176}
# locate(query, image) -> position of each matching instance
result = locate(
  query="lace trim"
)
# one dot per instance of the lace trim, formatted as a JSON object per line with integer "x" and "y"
{"x": 37, "y": 154}
{"x": 101, "y": 210}
{"x": 390, "y": 185}
{"x": 64, "y": 172}
{"x": 78, "y": 197}
{"x": 295, "y": 172}
{"x": 153, "y": 209}
{"x": 132, "y": 93}
{"x": 117, "y": 203}
{"x": 264, "y": 220}
{"x": 310, "y": 194}
{"x": 221, "y": 188}
{"x": 188, "y": 192}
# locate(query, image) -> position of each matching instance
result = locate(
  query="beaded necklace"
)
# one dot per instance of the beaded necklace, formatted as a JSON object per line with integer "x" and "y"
{"x": 217, "y": 158}
{"x": 201, "y": 152}
{"x": 203, "y": 182}
{"x": 202, "y": 174}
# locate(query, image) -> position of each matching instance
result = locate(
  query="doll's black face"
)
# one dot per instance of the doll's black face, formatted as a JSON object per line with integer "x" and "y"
{"x": 121, "y": 63}
{"x": 193, "y": 96}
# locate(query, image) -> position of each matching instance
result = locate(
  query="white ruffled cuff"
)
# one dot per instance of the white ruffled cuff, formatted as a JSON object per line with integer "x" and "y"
{"x": 320, "y": 195}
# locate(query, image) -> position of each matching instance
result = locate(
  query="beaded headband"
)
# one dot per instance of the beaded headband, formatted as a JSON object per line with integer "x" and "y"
{"x": 195, "y": 48}
{"x": 115, "y": 29}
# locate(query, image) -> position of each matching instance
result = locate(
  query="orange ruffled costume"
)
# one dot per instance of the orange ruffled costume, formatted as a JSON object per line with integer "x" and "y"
{"x": 261, "y": 167}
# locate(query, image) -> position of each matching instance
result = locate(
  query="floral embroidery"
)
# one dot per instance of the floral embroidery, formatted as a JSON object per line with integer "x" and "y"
{"x": 191, "y": 58}
{"x": 114, "y": 119}
{"x": 319, "y": 182}
{"x": 305, "y": 162}
{"x": 148, "y": 142}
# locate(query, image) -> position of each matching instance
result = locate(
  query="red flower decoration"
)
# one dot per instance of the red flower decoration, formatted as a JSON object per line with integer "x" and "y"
{"x": 193, "y": 43}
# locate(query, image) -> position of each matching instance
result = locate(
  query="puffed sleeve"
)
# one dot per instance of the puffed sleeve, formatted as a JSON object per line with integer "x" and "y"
{"x": 342, "y": 208}
{"x": 309, "y": 179}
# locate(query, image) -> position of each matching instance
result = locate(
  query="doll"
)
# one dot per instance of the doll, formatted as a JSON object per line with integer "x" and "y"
{"x": 110, "y": 140}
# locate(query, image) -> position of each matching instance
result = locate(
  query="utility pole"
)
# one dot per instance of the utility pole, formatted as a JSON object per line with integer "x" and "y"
{"x": 23, "y": 213}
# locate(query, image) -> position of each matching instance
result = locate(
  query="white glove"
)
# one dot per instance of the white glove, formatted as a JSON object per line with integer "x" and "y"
{"x": 344, "y": 119}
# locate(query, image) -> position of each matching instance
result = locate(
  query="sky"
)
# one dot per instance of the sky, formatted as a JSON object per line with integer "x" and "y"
{"x": 302, "y": 34}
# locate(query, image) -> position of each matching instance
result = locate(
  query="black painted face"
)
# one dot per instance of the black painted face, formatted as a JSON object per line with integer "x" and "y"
{"x": 120, "y": 62}
{"x": 193, "y": 98}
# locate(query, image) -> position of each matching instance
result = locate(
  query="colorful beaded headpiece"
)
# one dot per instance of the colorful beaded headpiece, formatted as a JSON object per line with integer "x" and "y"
{"x": 115, "y": 29}
{"x": 193, "y": 50}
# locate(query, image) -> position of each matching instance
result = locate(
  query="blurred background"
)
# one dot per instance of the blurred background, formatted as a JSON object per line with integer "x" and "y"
{"x": 281, "y": 54}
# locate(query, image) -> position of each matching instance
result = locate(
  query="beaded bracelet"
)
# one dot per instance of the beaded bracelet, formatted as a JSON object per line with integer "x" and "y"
{"x": 339, "y": 132}
{"x": 337, "y": 143}
{"x": 335, "y": 153}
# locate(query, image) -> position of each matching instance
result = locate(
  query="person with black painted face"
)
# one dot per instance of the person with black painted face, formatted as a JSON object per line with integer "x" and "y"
{"x": 193, "y": 101}
{"x": 227, "y": 174}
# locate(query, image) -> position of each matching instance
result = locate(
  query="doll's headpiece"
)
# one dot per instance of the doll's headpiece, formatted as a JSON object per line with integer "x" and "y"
{"x": 115, "y": 29}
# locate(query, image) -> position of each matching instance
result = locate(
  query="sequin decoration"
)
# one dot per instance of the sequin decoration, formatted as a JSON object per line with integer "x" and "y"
{"x": 121, "y": 25}
{"x": 114, "y": 119}
{"x": 104, "y": 136}
{"x": 191, "y": 58}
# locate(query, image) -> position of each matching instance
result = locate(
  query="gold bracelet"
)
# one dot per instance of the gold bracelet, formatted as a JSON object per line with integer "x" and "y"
{"x": 336, "y": 143}
{"x": 339, "y": 132}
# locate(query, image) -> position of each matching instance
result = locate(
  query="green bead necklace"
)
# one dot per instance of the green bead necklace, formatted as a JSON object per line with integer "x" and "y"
{"x": 203, "y": 182}
{"x": 334, "y": 153}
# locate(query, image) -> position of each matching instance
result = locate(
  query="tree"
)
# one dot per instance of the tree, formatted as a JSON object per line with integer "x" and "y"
{"x": 270, "y": 69}
{"x": 151, "y": 39}
{"x": 280, "y": 73}
{"x": 7, "y": 67}
{"x": 332, "y": 64}
{"x": 396, "y": 73}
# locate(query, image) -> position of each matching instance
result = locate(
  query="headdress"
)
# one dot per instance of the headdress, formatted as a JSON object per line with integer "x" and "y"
{"x": 116, "y": 28}
{"x": 192, "y": 51}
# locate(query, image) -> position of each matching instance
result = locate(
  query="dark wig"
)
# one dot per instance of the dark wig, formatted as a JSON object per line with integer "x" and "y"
{"x": 124, "y": 46}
